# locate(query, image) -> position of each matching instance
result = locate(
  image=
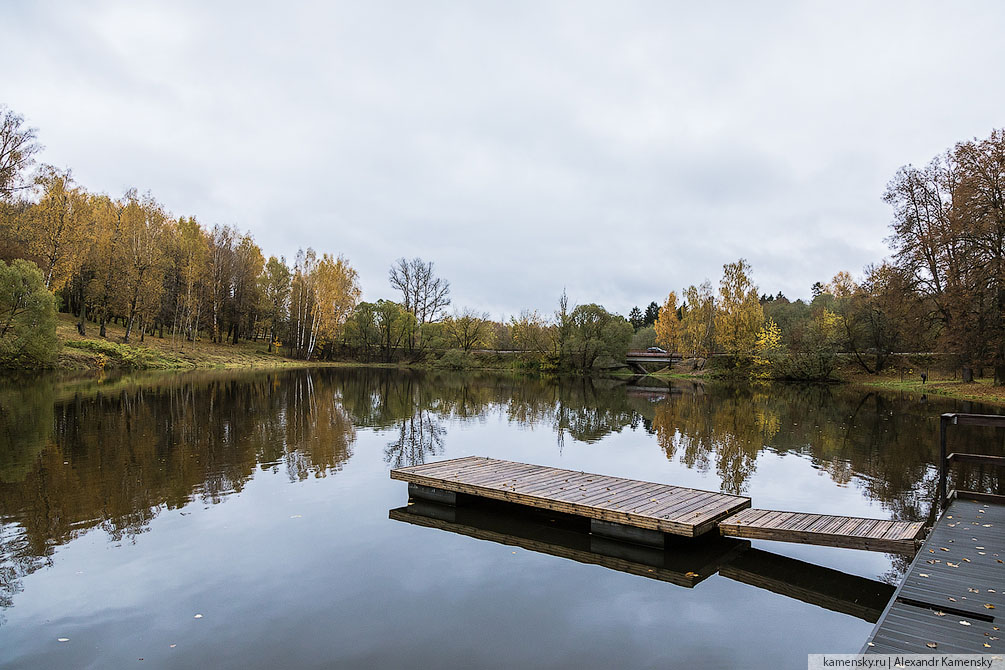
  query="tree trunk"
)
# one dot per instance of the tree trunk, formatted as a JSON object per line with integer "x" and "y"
{"x": 968, "y": 374}
{"x": 999, "y": 374}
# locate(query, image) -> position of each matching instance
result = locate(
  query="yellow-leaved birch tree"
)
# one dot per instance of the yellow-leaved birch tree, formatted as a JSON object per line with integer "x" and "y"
{"x": 668, "y": 325}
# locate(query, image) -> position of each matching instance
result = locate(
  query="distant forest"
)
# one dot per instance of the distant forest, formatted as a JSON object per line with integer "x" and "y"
{"x": 128, "y": 260}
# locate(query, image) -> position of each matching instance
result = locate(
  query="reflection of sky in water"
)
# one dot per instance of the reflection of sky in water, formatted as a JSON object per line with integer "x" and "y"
{"x": 297, "y": 570}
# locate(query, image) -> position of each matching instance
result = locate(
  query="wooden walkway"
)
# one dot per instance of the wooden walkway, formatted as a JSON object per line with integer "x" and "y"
{"x": 627, "y": 502}
{"x": 953, "y": 597}
{"x": 899, "y": 537}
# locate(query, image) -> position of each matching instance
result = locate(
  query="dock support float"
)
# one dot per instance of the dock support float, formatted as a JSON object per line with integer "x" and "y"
{"x": 619, "y": 531}
{"x": 433, "y": 494}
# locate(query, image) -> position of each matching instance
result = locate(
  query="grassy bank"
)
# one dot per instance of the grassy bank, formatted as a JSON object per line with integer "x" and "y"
{"x": 980, "y": 390}
{"x": 154, "y": 353}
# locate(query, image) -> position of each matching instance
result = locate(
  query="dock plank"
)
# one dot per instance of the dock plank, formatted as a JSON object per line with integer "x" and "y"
{"x": 616, "y": 499}
{"x": 824, "y": 529}
{"x": 952, "y": 592}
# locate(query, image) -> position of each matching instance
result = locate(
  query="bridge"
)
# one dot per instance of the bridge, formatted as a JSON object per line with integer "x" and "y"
{"x": 636, "y": 359}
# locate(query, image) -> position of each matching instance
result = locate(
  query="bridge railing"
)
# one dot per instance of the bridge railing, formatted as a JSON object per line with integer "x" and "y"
{"x": 946, "y": 459}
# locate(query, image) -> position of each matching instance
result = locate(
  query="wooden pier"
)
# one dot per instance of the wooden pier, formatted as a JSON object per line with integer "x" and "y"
{"x": 643, "y": 512}
{"x": 615, "y": 505}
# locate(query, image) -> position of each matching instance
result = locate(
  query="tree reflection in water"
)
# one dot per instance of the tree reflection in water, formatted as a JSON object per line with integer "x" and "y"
{"x": 112, "y": 454}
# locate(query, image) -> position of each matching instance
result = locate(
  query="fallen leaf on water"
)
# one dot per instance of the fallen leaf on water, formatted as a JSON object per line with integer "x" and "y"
{"x": 996, "y": 627}
{"x": 964, "y": 623}
{"x": 172, "y": 646}
{"x": 987, "y": 645}
{"x": 931, "y": 645}
{"x": 62, "y": 639}
{"x": 940, "y": 613}
{"x": 992, "y": 637}
{"x": 952, "y": 598}
{"x": 987, "y": 525}
{"x": 922, "y": 574}
{"x": 983, "y": 553}
{"x": 297, "y": 516}
{"x": 966, "y": 560}
{"x": 943, "y": 548}
{"x": 930, "y": 561}
{"x": 952, "y": 565}
{"x": 197, "y": 616}
{"x": 973, "y": 590}
{"x": 872, "y": 644}
{"x": 988, "y": 606}
{"x": 992, "y": 591}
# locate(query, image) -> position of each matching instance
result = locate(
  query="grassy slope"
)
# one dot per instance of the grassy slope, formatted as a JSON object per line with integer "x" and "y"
{"x": 94, "y": 352}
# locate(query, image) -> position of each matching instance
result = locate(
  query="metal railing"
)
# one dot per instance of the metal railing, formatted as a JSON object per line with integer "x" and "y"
{"x": 947, "y": 459}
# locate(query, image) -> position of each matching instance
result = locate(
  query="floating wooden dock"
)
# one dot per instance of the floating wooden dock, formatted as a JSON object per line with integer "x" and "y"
{"x": 641, "y": 511}
{"x": 616, "y": 506}
{"x": 898, "y": 537}
{"x": 953, "y": 597}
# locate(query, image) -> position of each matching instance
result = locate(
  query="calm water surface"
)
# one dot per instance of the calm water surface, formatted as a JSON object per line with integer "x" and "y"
{"x": 242, "y": 521}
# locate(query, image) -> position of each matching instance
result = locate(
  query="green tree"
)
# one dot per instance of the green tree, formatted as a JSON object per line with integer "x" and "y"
{"x": 596, "y": 332}
{"x": 27, "y": 316}
{"x": 636, "y": 318}
{"x": 652, "y": 313}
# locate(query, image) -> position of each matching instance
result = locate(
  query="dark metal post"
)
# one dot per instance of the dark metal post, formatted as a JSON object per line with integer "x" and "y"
{"x": 943, "y": 466}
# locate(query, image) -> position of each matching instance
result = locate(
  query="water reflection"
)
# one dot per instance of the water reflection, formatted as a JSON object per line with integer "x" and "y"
{"x": 683, "y": 562}
{"x": 113, "y": 454}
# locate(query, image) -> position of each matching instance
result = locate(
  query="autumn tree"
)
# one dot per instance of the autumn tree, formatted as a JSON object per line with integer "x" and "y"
{"x": 274, "y": 289}
{"x": 324, "y": 293}
{"x": 949, "y": 239}
{"x": 58, "y": 227}
{"x": 467, "y": 329}
{"x": 738, "y": 316}
{"x": 698, "y": 319}
{"x": 668, "y": 325}
{"x": 248, "y": 264}
{"x": 18, "y": 146}
{"x": 531, "y": 332}
{"x": 193, "y": 258}
{"x": 144, "y": 227}
{"x": 220, "y": 272}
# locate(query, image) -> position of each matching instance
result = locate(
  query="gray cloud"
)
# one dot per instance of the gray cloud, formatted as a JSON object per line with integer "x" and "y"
{"x": 619, "y": 151}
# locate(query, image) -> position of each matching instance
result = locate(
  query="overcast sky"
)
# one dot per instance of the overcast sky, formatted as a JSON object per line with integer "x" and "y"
{"x": 619, "y": 150}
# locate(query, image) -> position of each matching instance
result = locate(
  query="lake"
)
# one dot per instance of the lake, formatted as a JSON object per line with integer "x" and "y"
{"x": 247, "y": 520}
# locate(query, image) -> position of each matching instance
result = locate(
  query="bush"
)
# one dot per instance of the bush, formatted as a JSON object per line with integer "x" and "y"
{"x": 27, "y": 317}
{"x": 455, "y": 359}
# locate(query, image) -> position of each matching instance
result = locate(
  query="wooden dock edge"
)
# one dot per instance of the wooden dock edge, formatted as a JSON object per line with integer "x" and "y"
{"x": 907, "y": 545}
{"x": 588, "y": 511}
